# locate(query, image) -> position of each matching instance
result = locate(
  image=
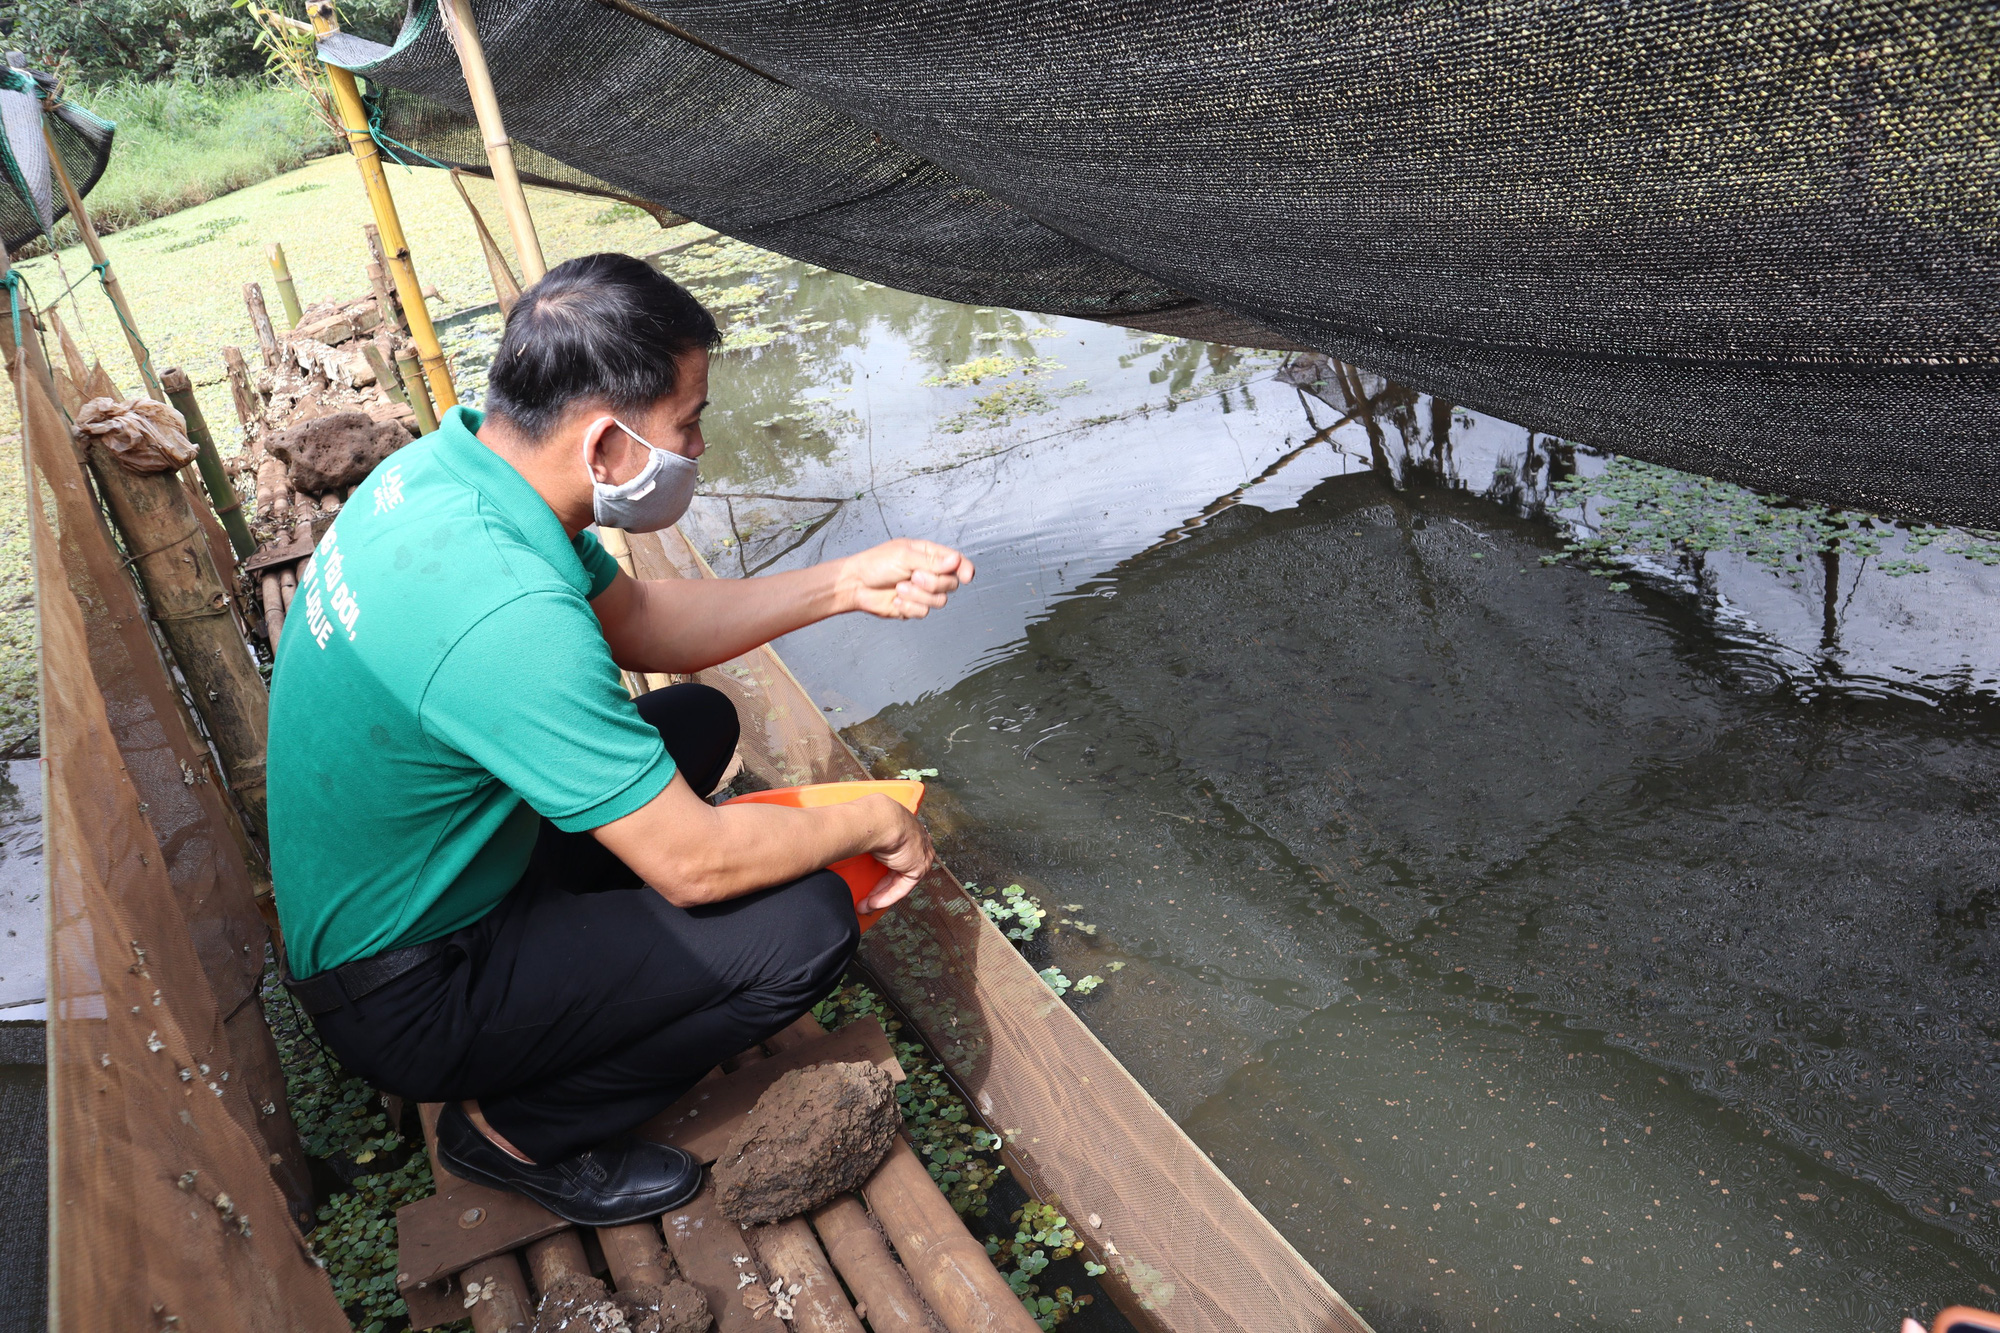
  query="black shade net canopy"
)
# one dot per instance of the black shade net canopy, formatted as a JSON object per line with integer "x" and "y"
{"x": 1752, "y": 240}
{"x": 34, "y": 203}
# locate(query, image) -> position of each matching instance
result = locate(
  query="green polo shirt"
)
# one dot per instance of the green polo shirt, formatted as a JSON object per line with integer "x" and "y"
{"x": 441, "y": 684}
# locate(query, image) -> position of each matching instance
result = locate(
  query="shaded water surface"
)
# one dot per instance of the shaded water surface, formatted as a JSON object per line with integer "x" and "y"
{"x": 1532, "y": 950}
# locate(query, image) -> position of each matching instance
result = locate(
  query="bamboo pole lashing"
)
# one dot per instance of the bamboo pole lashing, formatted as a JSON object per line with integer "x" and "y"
{"x": 281, "y": 278}
{"x": 464, "y": 33}
{"x": 112, "y": 289}
{"x": 260, "y": 320}
{"x": 368, "y": 159}
{"x": 222, "y": 495}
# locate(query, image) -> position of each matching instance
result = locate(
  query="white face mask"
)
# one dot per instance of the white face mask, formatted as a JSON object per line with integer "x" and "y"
{"x": 654, "y": 499}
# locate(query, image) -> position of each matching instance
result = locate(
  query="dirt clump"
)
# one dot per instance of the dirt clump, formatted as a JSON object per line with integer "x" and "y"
{"x": 814, "y": 1133}
{"x": 579, "y": 1303}
{"x": 333, "y": 452}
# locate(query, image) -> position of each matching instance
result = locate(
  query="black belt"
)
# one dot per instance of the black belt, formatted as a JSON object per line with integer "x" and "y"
{"x": 326, "y": 991}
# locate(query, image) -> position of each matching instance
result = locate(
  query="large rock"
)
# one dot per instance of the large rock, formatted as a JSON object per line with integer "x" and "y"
{"x": 333, "y": 452}
{"x": 815, "y": 1133}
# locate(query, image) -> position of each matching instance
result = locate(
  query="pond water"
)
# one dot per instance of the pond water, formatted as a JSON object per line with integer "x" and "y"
{"x": 1534, "y": 945}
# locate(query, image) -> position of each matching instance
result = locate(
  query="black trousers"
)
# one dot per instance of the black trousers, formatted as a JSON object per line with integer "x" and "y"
{"x": 585, "y": 1002}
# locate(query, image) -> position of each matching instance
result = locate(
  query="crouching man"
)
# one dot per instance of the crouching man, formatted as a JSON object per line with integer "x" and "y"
{"x": 500, "y": 884}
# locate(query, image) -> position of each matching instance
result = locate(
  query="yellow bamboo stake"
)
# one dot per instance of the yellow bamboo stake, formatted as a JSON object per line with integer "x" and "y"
{"x": 354, "y": 117}
{"x": 81, "y": 216}
{"x": 499, "y": 148}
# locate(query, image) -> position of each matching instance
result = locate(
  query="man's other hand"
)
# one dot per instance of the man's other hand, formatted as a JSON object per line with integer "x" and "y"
{"x": 905, "y": 579}
{"x": 905, "y": 849}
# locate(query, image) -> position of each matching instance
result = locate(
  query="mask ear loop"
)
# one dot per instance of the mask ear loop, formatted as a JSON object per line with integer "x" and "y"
{"x": 593, "y": 438}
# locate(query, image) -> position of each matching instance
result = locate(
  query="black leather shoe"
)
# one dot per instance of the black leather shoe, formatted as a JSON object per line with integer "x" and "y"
{"x": 625, "y": 1180}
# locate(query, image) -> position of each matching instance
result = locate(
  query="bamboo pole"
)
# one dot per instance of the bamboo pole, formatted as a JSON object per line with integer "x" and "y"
{"x": 863, "y": 1260}
{"x": 499, "y": 148}
{"x": 505, "y": 289}
{"x": 413, "y": 387}
{"x": 81, "y": 216}
{"x": 281, "y": 275}
{"x": 228, "y": 505}
{"x": 354, "y": 116}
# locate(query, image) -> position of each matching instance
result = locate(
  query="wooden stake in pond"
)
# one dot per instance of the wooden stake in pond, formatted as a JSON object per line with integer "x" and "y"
{"x": 116, "y": 293}
{"x": 499, "y": 148}
{"x": 249, "y": 407}
{"x": 413, "y": 387}
{"x": 386, "y": 303}
{"x": 221, "y": 494}
{"x": 282, "y": 276}
{"x": 354, "y": 117}
{"x": 260, "y": 319}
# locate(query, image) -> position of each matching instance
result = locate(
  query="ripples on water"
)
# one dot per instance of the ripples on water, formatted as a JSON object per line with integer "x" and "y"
{"x": 1531, "y": 952}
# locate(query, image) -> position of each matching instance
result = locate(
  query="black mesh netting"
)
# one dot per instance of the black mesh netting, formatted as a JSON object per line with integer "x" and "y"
{"x": 34, "y": 202}
{"x": 1752, "y": 240}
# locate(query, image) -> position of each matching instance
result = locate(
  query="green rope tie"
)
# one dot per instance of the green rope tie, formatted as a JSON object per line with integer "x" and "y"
{"x": 384, "y": 141}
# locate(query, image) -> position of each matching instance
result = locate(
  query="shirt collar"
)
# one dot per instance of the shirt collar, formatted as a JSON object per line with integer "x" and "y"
{"x": 508, "y": 493}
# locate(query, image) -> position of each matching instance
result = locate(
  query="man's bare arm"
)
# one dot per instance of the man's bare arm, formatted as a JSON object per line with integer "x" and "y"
{"x": 692, "y": 852}
{"x": 687, "y": 625}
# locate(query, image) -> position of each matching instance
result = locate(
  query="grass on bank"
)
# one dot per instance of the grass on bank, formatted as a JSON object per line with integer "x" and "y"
{"x": 181, "y": 143}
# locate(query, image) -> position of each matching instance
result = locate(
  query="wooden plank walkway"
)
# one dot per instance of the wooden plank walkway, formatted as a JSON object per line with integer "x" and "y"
{"x": 488, "y": 1254}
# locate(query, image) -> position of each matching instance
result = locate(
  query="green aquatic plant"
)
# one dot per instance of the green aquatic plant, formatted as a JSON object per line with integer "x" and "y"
{"x": 1041, "y": 1236}
{"x": 993, "y": 366}
{"x": 1016, "y": 399}
{"x": 341, "y": 1119}
{"x": 1635, "y": 510}
{"x": 916, "y": 774}
{"x": 1011, "y": 909}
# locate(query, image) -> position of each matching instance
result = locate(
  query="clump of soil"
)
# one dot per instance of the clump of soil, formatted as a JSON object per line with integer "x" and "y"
{"x": 579, "y": 1303}
{"x": 814, "y": 1133}
{"x": 333, "y": 452}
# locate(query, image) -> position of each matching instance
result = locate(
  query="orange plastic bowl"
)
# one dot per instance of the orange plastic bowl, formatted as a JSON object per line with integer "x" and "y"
{"x": 861, "y": 873}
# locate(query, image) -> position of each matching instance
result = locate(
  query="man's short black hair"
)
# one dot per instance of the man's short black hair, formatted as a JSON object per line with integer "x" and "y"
{"x": 606, "y": 327}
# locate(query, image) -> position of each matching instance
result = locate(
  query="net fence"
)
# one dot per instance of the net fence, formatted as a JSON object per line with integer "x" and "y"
{"x": 175, "y": 1174}
{"x": 1755, "y": 242}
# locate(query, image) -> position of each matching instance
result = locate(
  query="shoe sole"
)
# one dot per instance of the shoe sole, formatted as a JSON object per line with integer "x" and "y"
{"x": 478, "y": 1177}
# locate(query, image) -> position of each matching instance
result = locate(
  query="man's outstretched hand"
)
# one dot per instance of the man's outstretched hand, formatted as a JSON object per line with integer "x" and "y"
{"x": 904, "y": 579}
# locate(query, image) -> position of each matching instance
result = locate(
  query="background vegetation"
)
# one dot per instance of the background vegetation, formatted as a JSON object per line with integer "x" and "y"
{"x": 199, "y": 110}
